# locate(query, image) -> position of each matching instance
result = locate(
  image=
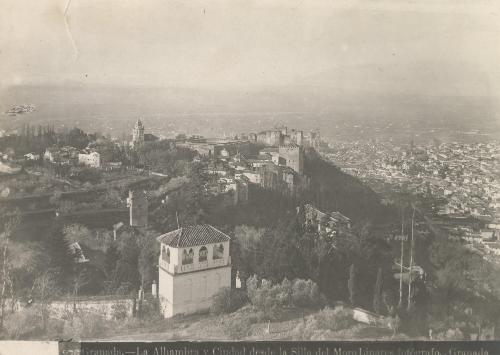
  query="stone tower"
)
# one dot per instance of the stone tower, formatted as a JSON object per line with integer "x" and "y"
{"x": 294, "y": 157}
{"x": 138, "y": 133}
{"x": 137, "y": 203}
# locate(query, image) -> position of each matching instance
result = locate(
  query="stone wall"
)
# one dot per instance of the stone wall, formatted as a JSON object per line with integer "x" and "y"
{"x": 109, "y": 307}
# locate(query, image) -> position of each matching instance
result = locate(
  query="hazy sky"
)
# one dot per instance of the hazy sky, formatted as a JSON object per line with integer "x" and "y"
{"x": 442, "y": 47}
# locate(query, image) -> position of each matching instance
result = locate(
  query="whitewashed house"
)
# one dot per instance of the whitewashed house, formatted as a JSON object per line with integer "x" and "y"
{"x": 92, "y": 159}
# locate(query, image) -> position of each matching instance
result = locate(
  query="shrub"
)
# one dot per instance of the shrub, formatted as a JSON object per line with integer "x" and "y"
{"x": 87, "y": 175}
{"x": 150, "y": 309}
{"x": 239, "y": 325}
{"x": 334, "y": 319}
{"x": 228, "y": 300}
{"x": 305, "y": 293}
{"x": 119, "y": 311}
{"x": 84, "y": 325}
{"x": 322, "y": 325}
{"x": 451, "y": 334}
{"x": 269, "y": 298}
{"x": 305, "y": 330}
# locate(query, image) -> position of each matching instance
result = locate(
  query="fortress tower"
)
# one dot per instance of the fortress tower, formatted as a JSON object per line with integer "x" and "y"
{"x": 294, "y": 157}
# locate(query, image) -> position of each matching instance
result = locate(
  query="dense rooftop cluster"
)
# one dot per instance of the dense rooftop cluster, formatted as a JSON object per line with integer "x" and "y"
{"x": 461, "y": 178}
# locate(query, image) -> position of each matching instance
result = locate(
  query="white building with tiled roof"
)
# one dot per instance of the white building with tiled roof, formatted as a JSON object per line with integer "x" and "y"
{"x": 194, "y": 265}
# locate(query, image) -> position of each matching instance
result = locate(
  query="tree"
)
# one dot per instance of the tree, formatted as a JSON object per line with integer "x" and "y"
{"x": 112, "y": 256}
{"x": 377, "y": 297}
{"x": 78, "y": 233}
{"x": 148, "y": 258}
{"x": 77, "y": 138}
{"x": 90, "y": 175}
{"x": 45, "y": 290}
{"x": 268, "y": 298}
{"x": 80, "y": 279}
{"x": 127, "y": 265}
{"x": 306, "y": 294}
{"x": 11, "y": 224}
{"x": 228, "y": 300}
{"x": 351, "y": 284}
{"x": 61, "y": 258}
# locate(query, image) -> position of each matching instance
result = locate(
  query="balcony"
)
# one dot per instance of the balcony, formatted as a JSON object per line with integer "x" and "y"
{"x": 204, "y": 265}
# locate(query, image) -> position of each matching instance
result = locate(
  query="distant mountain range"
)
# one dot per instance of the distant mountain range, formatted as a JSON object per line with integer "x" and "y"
{"x": 167, "y": 111}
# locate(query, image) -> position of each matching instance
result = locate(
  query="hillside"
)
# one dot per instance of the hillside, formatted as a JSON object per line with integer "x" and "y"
{"x": 334, "y": 190}
{"x": 330, "y": 190}
{"x": 297, "y": 324}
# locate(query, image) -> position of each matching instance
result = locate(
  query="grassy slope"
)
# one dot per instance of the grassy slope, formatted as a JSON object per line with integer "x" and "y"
{"x": 203, "y": 327}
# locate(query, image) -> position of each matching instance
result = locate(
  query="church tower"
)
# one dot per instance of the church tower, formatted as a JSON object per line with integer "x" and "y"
{"x": 138, "y": 133}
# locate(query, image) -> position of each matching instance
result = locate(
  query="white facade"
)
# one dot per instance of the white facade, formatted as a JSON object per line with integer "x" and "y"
{"x": 190, "y": 276}
{"x": 32, "y": 156}
{"x": 48, "y": 155}
{"x": 92, "y": 159}
{"x": 253, "y": 177}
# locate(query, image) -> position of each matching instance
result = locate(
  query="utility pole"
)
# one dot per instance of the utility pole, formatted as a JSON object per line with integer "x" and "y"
{"x": 401, "y": 261}
{"x": 411, "y": 259}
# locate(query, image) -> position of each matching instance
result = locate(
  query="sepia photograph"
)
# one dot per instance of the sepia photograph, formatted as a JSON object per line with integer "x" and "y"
{"x": 250, "y": 171}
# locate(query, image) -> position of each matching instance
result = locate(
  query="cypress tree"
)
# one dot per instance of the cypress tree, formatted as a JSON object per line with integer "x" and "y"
{"x": 112, "y": 256}
{"x": 351, "y": 284}
{"x": 377, "y": 297}
{"x": 61, "y": 258}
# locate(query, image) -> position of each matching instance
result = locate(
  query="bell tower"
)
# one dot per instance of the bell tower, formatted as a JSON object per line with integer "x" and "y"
{"x": 138, "y": 133}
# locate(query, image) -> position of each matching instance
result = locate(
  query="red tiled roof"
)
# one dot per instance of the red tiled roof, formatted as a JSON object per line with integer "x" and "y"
{"x": 193, "y": 236}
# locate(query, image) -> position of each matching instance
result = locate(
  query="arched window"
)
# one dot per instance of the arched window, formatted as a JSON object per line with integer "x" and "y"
{"x": 218, "y": 251}
{"x": 165, "y": 254}
{"x": 187, "y": 257}
{"x": 203, "y": 253}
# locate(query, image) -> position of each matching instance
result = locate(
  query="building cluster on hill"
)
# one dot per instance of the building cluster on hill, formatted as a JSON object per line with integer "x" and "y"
{"x": 279, "y": 168}
{"x": 284, "y": 136}
{"x": 90, "y": 156}
{"x": 234, "y": 166}
{"x": 462, "y": 178}
{"x": 67, "y": 155}
{"x": 331, "y": 223}
{"x": 464, "y": 175}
